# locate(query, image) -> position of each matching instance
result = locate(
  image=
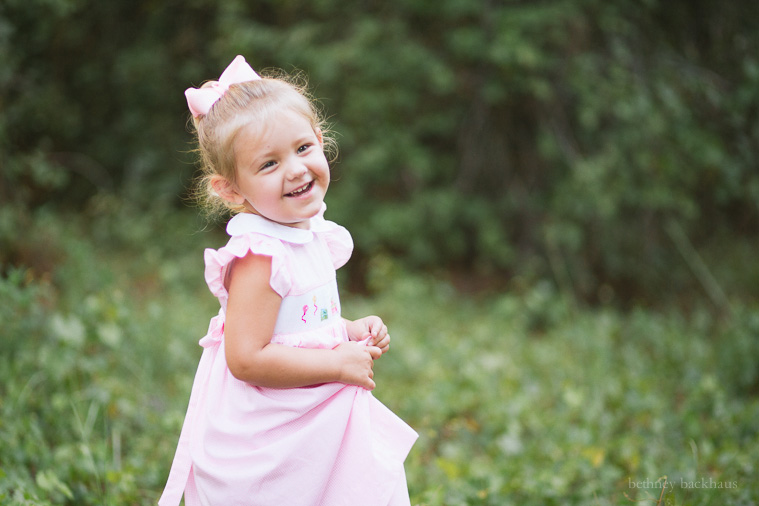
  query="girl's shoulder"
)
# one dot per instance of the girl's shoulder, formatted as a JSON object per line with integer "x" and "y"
{"x": 217, "y": 262}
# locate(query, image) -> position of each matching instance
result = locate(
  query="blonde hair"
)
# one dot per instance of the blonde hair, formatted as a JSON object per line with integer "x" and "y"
{"x": 242, "y": 104}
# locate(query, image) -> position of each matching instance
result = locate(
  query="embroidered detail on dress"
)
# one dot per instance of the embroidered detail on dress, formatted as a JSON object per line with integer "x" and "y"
{"x": 299, "y": 312}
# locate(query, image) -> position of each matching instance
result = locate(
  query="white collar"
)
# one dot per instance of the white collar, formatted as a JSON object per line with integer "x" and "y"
{"x": 245, "y": 223}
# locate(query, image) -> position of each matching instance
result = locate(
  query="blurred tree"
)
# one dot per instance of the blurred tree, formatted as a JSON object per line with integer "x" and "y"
{"x": 89, "y": 96}
{"x": 557, "y": 138}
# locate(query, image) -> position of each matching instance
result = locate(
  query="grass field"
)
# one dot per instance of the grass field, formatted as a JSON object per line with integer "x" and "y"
{"x": 519, "y": 398}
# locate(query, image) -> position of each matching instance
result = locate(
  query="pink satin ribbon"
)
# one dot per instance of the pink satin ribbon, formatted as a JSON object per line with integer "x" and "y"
{"x": 200, "y": 100}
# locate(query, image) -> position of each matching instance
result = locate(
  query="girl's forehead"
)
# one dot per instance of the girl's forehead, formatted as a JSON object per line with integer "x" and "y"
{"x": 286, "y": 122}
{"x": 280, "y": 132}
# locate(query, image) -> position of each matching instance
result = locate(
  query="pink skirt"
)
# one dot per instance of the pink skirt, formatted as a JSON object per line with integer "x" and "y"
{"x": 330, "y": 444}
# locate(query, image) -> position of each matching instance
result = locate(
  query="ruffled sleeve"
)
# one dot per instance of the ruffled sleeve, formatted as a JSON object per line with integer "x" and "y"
{"x": 218, "y": 261}
{"x": 338, "y": 239}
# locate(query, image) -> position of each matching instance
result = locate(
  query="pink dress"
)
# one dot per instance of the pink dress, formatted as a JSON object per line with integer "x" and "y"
{"x": 331, "y": 444}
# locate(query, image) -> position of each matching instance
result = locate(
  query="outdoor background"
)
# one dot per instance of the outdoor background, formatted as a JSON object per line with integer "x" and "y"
{"x": 554, "y": 205}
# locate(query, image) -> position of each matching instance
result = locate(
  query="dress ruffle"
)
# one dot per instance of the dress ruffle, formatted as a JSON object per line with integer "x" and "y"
{"x": 339, "y": 242}
{"x": 217, "y": 262}
{"x": 338, "y": 239}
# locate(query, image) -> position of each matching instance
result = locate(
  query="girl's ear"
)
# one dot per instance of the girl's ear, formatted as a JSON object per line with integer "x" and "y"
{"x": 319, "y": 136}
{"x": 226, "y": 189}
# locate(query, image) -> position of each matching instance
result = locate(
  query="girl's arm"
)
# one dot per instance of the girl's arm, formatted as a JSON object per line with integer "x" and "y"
{"x": 251, "y": 357}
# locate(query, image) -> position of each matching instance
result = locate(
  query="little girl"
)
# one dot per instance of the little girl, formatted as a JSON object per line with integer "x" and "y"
{"x": 281, "y": 411}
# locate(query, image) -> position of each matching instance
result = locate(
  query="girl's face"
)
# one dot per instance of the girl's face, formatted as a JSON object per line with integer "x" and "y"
{"x": 282, "y": 173}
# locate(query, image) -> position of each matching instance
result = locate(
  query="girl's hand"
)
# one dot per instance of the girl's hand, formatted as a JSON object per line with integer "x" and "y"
{"x": 355, "y": 363}
{"x": 369, "y": 326}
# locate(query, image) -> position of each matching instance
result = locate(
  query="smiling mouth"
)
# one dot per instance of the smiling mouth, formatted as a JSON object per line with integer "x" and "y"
{"x": 301, "y": 190}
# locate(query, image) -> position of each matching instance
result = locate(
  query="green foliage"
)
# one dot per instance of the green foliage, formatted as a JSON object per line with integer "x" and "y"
{"x": 591, "y": 150}
{"x": 607, "y": 147}
{"x": 519, "y": 398}
{"x": 488, "y": 136}
{"x": 99, "y": 355}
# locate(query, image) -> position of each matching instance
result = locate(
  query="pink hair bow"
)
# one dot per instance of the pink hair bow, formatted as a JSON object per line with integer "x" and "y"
{"x": 200, "y": 100}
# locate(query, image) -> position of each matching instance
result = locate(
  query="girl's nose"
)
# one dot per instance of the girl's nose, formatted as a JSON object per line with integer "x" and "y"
{"x": 296, "y": 169}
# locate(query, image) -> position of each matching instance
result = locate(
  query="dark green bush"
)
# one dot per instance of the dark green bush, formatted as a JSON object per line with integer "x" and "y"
{"x": 559, "y": 139}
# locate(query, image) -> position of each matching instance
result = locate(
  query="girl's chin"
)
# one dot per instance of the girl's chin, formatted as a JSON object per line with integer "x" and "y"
{"x": 301, "y": 221}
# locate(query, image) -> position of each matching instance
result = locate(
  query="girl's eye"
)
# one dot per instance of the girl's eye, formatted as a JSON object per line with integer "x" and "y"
{"x": 303, "y": 148}
{"x": 268, "y": 165}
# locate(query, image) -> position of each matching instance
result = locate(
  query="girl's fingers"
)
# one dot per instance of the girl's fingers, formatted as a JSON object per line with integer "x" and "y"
{"x": 374, "y": 351}
{"x": 375, "y": 325}
{"x": 382, "y": 337}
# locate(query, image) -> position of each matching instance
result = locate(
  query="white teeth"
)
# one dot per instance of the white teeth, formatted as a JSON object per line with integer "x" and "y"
{"x": 300, "y": 190}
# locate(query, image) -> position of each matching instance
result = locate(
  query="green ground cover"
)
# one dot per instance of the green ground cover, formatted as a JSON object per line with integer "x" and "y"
{"x": 519, "y": 398}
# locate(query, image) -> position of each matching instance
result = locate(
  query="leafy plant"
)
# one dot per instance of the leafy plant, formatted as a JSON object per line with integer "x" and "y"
{"x": 519, "y": 397}
{"x": 476, "y": 136}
